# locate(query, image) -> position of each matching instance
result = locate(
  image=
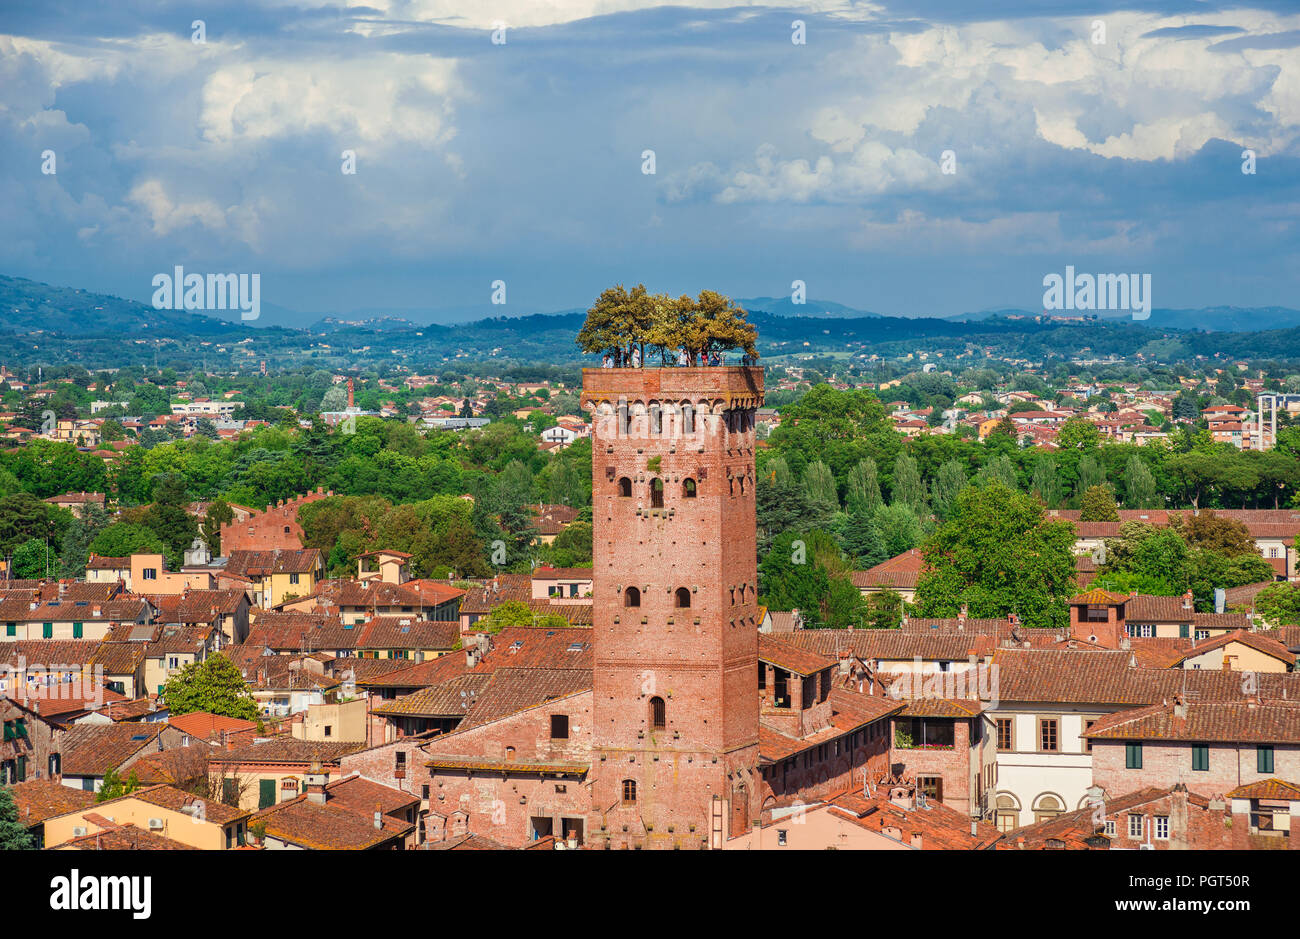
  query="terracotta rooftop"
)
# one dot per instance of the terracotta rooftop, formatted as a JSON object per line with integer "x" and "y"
{"x": 937, "y": 826}
{"x": 1209, "y": 722}
{"x": 791, "y": 657}
{"x": 1275, "y": 789}
{"x": 328, "y": 827}
{"x": 275, "y": 561}
{"x": 1070, "y": 830}
{"x": 286, "y": 750}
{"x": 39, "y": 799}
{"x": 1269, "y": 647}
{"x": 123, "y": 838}
{"x": 205, "y": 726}
{"x": 900, "y": 571}
{"x": 94, "y": 749}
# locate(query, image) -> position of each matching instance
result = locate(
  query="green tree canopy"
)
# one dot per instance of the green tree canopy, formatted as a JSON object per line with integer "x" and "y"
{"x": 14, "y": 835}
{"x": 1098, "y": 505}
{"x": 999, "y": 555}
{"x": 214, "y": 685}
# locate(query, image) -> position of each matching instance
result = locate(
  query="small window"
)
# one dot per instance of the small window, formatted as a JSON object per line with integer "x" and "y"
{"x": 559, "y": 727}
{"x": 1135, "y": 825}
{"x": 683, "y": 598}
{"x": 782, "y": 836}
{"x": 1047, "y": 735}
{"x": 931, "y": 786}
{"x": 329, "y": 730}
{"x": 1263, "y": 759}
{"x": 629, "y": 792}
{"x": 1200, "y": 757}
{"x": 1161, "y": 825}
{"x": 631, "y": 597}
{"x": 293, "y": 578}
{"x": 658, "y": 713}
{"x": 625, "y": 488}
{"x": 688, "y": 488}
{"x": 656, "y": 493}
{"x": 1133, "y": 756}
{"x": 150, "y": 573}
{"x": 286, "y": 529}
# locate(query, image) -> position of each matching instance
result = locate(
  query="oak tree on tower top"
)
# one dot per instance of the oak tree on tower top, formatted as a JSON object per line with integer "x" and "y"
{"x": 621, "y": 321}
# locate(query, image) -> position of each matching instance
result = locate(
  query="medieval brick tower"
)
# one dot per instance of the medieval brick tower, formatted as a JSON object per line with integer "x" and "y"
{"x": 675, "y": 713}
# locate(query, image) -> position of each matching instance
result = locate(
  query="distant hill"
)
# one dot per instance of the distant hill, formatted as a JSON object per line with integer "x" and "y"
{"x": 28, "y": 306}
{"x": 1229, "y": 319}
{"x": 52, "y": 325}
{"x": 784, "y": 306}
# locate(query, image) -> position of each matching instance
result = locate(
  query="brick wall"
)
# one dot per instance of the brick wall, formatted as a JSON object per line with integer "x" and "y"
{"x": 277, "y": 527}
{"x": 697, "y": 775}
{"x": 1165, "y": 763}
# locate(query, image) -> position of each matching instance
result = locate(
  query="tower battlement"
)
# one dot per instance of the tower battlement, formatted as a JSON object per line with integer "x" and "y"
{"x": 721, "y": 386}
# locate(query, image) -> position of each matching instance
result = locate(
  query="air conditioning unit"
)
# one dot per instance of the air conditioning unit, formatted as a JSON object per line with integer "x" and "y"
{"x": 78, "y": 832}
{"x": 1146, "y": 847}
{"x": 155, "y": 824}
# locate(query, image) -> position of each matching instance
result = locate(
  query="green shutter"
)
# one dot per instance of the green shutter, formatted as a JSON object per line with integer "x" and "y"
{"x": 11, "y": 629}
{"x": 1133, "y": 756}
{"x": 47, "y": 630}
{"x": 22, "y": 769}
{"x": 1263, "y": 759}
{"x": 265, "y": 793}
{"x": 76, "y": 630}
{"x": 1200, "y": 757}
{"x": 1183, "y": 630}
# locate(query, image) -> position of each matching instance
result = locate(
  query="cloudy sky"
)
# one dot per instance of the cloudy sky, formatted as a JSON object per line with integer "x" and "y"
{"x": 774, "y": 161}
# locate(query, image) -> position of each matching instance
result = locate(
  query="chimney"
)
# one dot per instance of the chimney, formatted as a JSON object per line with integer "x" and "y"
{"x": 844, "y": 663}
{"x": 1178, "y": 818}
{"x": 484, "y": 642}
{"x": 471, "y": 656}
{"x": 961, "y": 617}
{"x": 972, "y": 658}
{"x": 1187, "y": 600}
{"x": 1180, "y": 707}
{"x": 379, "y": 817}
{"x": 349, "y": 394}
{"x": 316, "y": 780}
{"x": 916, "y": 840}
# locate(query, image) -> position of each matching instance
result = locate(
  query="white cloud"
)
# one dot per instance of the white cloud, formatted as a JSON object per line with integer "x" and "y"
{"x": 378, "y": 99}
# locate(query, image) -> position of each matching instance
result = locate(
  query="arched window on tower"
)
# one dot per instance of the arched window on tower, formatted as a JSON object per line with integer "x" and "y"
{"x": 631, "y": 597}
{"x": 688, "y": 488}
{"x": 629, "y": 792}
{"x": 683, "y": 598}
{"x": 658, "y": 713}
{"x": 656, "y": 493}
{"x": 625, "y": 488}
